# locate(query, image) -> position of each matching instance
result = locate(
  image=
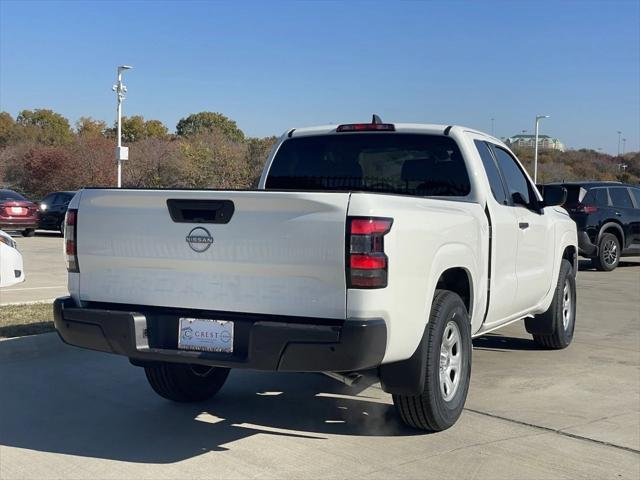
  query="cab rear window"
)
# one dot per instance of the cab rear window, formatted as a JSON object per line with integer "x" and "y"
{"x": 410, "y": 164}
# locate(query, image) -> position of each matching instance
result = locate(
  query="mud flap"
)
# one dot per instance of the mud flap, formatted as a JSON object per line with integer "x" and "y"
{"x": 540, "y": 325}
{"x": 406, "y": 377}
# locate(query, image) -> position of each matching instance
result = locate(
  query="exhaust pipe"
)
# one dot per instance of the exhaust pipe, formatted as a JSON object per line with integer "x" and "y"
{"x": 349, "y": 379}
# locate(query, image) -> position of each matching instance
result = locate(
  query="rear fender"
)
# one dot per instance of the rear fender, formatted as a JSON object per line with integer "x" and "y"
{"x": 407, "y": 377}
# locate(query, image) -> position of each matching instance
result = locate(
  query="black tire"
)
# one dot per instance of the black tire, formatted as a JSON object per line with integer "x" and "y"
{"x": 182, "y": 382}
{"x": 431, "y": 410}
{"x": 29, "y": 232}
{"x": 563, "y": 325}
{"x": 608, "y": 256}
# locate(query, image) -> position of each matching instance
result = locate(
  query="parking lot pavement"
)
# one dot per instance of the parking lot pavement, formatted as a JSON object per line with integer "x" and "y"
{"x": 69, "y": 413}
{"x": 46, "y": 274}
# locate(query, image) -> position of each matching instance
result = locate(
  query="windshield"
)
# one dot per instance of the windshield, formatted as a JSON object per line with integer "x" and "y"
{"x": 412, "y": 164}
{"x": 10, "y": 195}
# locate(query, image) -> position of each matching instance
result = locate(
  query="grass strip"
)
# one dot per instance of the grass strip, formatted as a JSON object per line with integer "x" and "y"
{"x": 25, "y": 319}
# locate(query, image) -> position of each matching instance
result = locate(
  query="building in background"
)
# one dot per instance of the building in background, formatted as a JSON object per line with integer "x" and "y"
{"x": 545, "y": 142}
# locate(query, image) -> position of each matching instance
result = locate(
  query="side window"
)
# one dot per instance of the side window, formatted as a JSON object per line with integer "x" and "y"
{"x": 493, "y": 174}
{"x": 597, "y": 197}
{"x": 636, "y": 194}
{"x": 48, "y": 200}
{"x": 620, "y": 197}
{"x": 513, "y": 176}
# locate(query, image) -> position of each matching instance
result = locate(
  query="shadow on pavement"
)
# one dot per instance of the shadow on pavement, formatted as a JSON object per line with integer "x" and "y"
{"x": 586, "y": 265}
{"x": 97, "y": 405}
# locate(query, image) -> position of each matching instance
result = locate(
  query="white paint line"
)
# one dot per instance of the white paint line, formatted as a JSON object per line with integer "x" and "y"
{"x": 30, "y": 302}
{"x": 31, "y": 288}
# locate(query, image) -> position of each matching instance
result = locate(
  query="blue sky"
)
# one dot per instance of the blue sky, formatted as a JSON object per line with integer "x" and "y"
{"x": 275, "y": 65}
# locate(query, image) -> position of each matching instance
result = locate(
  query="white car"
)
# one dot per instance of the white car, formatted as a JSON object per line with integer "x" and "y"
{"x": 372, "y": 246}
{"x": 11, "y": 269}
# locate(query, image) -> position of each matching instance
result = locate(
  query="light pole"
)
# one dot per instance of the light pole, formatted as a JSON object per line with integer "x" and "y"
{"x": 492, "y": 122}
{"x": 619, "y": 137}
{"x": 122, "y": 153}
{"x": 535, "y": 154}
{"x": 624, "y": 144}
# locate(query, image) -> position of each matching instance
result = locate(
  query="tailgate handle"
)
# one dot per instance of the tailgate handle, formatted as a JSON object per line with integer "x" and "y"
{"x": 200, "y": 211}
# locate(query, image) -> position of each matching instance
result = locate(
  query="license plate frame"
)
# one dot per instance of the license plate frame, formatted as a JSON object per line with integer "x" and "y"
{"x": 205, "y": 335}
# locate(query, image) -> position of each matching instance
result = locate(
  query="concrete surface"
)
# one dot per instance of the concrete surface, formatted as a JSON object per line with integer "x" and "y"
{"x": 46, "y": 274}
{"x": 69, "y": 413}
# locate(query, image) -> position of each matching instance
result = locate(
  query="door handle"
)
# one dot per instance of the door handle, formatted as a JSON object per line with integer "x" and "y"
{"x": 618, "y": 214}
{"x": 523, "y": 225}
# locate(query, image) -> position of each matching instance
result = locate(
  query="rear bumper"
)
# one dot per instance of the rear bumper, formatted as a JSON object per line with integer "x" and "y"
{"x": 7, "y": 223}
{"x": 585, "y": 247}
{"x": 276, "y": 344}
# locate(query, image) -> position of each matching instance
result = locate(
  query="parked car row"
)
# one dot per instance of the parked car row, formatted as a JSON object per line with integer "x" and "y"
{"x": 19, "y": 214}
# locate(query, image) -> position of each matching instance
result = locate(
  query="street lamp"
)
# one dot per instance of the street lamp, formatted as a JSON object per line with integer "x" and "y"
{"x": 492, "y": 122}
{"x": 619, "y": 137}
{"x": 624, "y": 144}
{"x": 122, "y": 153}
{"x": 535, "y": 154}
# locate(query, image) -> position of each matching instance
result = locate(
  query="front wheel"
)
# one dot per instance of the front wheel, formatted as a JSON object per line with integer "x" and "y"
{"x": 448, "y": 367}
{"x": 561, "y": 315}
{"x": 182, "y": 382}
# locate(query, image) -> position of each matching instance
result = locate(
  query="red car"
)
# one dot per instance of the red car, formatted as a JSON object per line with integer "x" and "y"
{"x": 17, "y": 213}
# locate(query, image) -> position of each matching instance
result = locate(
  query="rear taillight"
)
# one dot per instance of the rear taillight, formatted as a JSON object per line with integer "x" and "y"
{"x": 71, "y": 240}
{"x": 367, "y": 263}
{"x": 580, "y": 208}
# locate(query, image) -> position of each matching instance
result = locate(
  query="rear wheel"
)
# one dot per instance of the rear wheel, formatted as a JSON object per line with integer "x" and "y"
{"x": 448, "y": 368}
{"x": 29, "y": 232}
{"x": 182, "y": 382}
{"x": 608, "y": 253}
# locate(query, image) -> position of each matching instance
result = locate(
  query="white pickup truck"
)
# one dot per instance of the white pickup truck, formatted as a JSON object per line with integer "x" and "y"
{"x": 374, "y": 246}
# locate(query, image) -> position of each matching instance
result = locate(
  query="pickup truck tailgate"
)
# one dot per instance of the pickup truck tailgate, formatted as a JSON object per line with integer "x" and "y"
{"x": 279, "y": 253}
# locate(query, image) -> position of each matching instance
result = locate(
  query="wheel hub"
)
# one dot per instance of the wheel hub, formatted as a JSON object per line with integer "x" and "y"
{"x": 610, "y": 252}
{"x": 450, "y": 361}
{"x": 567, "y": 305}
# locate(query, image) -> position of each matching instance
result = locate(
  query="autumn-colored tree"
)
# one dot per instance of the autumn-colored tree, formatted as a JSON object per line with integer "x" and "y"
{"x": 44, "y": 127}
{"x": 156, "y": 163}
{"x": 258, "y": 150}
{"x": 88, "y": 127}
{"x": 215, "y": 161}
{"x": 135, "y": 128}
{"x": 203, "y": 122}
{"x": 155, "y": 129}
{"x": 7, "y": 128}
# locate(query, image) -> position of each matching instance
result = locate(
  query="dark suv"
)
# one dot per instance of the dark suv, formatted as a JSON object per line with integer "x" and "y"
{"x": 608, "y": 218}
{"x": 53, "y": 208}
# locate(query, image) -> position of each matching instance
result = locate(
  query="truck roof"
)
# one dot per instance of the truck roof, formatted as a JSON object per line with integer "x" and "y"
{"x": 428, "y": 128}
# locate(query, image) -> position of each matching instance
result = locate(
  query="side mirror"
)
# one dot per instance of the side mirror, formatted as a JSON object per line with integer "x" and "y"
{"x": 554, "y": 195}
{"x": 518, "y": 199}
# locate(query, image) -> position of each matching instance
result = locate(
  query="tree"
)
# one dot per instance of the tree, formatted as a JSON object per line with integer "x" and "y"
{"x": 136, "y": 128}
{"x": 133, "y": 128}
{"x": 156, "y": 163}
{"x": 7, "y": 128}
{"x": 88, "y": 127}
{"x": 155, "y": 129}
{"x": 44, "y": 126}
{"x": 258, "y": 150}
{"x": 204, "y": 122}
